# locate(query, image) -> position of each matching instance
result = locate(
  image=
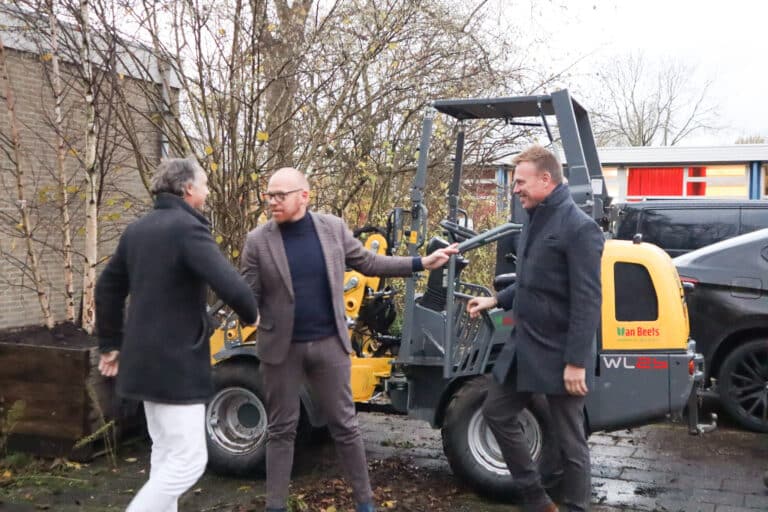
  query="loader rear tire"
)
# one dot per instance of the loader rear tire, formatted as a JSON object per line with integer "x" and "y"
{"x": 474, "y": 454}
{"x": 236, "y": 420}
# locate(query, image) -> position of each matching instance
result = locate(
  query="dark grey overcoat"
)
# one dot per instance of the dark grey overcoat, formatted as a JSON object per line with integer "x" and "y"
{"x": 557, "y": 297}
{"x": 165, "y": 261}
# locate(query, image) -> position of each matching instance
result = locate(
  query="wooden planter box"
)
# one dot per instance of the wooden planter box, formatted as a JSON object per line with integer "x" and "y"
{"x": 54, "y": 382}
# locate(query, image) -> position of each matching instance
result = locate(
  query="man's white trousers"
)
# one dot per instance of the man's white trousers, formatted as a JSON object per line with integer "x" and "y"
{"x": 179, "y": 455}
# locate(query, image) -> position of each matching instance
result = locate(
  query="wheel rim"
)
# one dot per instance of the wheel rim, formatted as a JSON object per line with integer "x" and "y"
{"x": 748, "y": 385}
{"x": 485, "y": 448}
{"x": 236, "y": 420}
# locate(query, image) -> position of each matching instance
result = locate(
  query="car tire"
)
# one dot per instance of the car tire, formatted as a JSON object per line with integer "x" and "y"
{"x": 743, "y": 385}
{"x": 236, "y": 420}
{"x": 473, "y": 453}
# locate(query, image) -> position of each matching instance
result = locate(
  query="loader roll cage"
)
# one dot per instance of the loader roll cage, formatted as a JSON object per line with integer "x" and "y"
{"x": 585, "y": 180}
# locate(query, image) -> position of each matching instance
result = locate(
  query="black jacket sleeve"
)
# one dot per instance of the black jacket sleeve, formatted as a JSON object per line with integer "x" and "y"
{"x": 584, "y": 253}
{"x": 506, "y": 298}
{"x": 202, "y": 255}
{"x": 112, "y": 289}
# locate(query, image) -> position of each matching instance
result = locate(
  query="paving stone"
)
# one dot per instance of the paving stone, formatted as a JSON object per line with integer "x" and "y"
{"x": 719, "y": 497}
{"x": 757, "y": 501}
{"x": 671, "y": 480}
{"x": 605, "y": 471}
{"x": 728, "y": 508}
{"x": 747, "y": 485}
{"x": 613, "y": 451}
{"x": 683, "y": 506}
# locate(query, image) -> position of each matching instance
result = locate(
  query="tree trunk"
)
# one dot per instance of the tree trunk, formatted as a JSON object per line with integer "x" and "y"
{"x": 66, "y": 224}
{"x": 25, "y": 225}
{"x": 92, "y": 185}
{"x": 282, "y": 64}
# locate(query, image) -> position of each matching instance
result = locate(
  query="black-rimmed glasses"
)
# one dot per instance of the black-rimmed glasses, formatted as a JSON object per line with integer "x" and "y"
{"x": 279, "y": 197}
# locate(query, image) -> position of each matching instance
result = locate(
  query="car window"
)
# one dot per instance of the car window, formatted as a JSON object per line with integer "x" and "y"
{"x": 753, "y": 219}
{"x": 681, "y": 230}
{"x": 625, "y": 226}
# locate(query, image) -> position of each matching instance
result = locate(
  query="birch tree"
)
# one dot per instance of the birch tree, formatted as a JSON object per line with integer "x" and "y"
{"x": 92, "y": 186}
{"x": 17, "y": 157}
{"x": 61, "y": 174}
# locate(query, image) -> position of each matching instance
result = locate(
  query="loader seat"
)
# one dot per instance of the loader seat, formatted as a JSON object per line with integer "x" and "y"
{"x": 502, "y": 281}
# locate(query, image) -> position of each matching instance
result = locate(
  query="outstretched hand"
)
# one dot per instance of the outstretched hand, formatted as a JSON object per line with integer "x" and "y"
{"x": 440, "y": 257}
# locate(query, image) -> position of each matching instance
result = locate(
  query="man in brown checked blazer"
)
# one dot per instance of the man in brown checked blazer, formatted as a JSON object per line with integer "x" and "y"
{"x": 295, "y": 264}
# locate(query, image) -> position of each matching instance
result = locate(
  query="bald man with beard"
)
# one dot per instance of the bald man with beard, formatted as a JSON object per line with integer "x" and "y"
{"x": 295, "y": 265}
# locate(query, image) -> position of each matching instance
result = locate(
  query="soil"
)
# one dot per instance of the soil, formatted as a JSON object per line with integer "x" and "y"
{"x": 65, "y": 334}
{"x": 397, "y": 484}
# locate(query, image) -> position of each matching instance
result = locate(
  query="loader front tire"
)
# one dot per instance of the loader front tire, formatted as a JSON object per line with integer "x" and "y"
{"x": 236, "y": 420}
{"x": 473, "y": 452}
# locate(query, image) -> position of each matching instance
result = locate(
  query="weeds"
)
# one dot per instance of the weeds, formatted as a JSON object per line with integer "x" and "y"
{"x": 297, "y": 503}
{"x": 106, "y": 430}
{"x": 9, "y": 417}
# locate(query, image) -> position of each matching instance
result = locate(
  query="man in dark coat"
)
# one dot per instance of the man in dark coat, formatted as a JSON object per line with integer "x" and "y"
{"x": 556, "y": 302}
{"x": 165, "y": 262}
{"x": 295, "y": 265}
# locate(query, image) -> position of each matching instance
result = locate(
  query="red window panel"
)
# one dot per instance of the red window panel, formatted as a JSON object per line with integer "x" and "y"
{"x": 655, "y": 181}
{"x": 697, "y": 188}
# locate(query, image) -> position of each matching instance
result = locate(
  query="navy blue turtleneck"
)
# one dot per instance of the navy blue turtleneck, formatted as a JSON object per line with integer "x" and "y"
{"x": 314, "y": 318}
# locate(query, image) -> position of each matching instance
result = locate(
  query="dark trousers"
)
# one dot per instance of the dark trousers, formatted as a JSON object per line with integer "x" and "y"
{"x": 325, "y": 366}
{"x": 501, "y": 408}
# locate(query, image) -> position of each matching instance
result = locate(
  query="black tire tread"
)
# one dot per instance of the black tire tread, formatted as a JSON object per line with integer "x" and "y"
{"x": 734, "y": 410}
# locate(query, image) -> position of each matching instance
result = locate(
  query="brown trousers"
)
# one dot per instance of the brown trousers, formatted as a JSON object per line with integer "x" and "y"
{"x": 325, "y": 366}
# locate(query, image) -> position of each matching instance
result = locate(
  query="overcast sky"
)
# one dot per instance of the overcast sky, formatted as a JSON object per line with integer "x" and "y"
{"x": 727, "y": 42}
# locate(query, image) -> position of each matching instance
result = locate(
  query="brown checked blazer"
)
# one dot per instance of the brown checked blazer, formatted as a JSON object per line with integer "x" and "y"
{"x": 265, "y": 267}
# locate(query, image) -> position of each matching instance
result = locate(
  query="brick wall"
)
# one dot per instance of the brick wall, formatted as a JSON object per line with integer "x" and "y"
{"x": 123, "y": 195}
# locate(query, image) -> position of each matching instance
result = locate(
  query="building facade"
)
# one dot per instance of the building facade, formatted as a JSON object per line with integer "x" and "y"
{"x": 734, "y": 172}
{"x": 122, "y": 191}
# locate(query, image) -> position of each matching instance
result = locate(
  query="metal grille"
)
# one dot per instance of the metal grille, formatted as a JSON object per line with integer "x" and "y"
{"x": 471, "y": 339}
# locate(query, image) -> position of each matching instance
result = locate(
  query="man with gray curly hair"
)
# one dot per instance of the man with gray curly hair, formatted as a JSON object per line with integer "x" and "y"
{"x": 166, "y": 261}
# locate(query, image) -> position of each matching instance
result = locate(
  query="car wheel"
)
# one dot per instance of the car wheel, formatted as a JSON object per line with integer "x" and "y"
{"x": 474, "y": 454}
{"x": 743, "y": 384}
{"x": 236, "y": 420}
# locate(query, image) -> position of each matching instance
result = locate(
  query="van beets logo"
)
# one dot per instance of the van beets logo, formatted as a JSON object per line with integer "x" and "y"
{"x": 634, "y": 332}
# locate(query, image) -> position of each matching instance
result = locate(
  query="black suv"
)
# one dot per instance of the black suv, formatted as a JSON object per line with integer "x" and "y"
{"x": 727, "y": 300}
{"x": 682, "y": 225}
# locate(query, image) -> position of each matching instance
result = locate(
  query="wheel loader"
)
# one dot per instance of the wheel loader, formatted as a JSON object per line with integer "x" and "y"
{"x": 646, "y": 366}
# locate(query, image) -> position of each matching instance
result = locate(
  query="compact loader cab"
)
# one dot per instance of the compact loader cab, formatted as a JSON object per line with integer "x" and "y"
{"x": 643, "y": 344}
